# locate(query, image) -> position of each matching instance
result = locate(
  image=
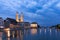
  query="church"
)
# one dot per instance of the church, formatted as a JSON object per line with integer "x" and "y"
{"x": 21, "y": 17}
{"x": 21, "y": 23}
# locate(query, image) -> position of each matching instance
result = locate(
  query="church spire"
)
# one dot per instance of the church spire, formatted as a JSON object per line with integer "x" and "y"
{"x": 17, "y": 18}
{"x": 21, "y": 17}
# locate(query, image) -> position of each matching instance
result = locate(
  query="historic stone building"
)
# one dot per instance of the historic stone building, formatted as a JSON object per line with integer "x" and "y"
{"x": 23, "y": 24}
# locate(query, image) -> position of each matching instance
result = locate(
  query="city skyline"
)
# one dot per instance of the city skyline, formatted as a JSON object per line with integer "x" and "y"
{"x": 46, "y": 13}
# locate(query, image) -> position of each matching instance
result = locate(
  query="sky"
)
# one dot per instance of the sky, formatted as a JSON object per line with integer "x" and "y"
{"x": 44, "y": 12}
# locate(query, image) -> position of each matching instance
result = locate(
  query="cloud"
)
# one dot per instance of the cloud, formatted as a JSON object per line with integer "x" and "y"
{"x": 49, "y": 16}
{"x": 33, "y": 15}
{"x": 42, "y": 10}
{"x": 10, "y": 4}
{"x": 31, "y": 4}
{"x": 58, "y": 5}
{"x": 48, "y": 4}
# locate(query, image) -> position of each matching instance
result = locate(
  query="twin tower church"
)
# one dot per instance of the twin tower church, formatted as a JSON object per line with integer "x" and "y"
{"x": 9, "y": 22}
{"x": 19, "y": 19}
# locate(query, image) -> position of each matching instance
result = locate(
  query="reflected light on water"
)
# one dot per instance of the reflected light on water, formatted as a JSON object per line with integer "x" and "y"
{"x": 7, "y": 30}
{"x": 17, "y": 34}
{"x": 0, "y": 38}
{"x": 13, "y": 34}
{"x": 56, "y": 31}
{"x": 40, "y": 30}
{"x": 33, "y": 31}
{"x": 8, "y": 33}
{"x": 8, "y": 38}
{"x": 45, "y": 30}
{"x": 21, "y": 35}
{"x": 50, "y": 30}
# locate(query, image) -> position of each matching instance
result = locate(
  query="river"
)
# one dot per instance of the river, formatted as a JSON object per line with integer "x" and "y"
{"x": 34, "y": 34}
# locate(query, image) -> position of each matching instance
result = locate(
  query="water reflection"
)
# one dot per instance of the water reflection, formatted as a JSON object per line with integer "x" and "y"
{"x": 13, "y": 34}
{"x": 50, "y": 30}
{"x": 33, "y": 31}
{"x": 0, "y": 38}
{"x": 40, "y": 31}
{"x": 32, "y": 34}
{"x": 7, "y": 31}
{"x": 26, "y": 31}
{"x": 1, "y": 33}
{"x": 8, "y": 38}
{"x": 45, "y": 30}
{"x": 21, "y": 35}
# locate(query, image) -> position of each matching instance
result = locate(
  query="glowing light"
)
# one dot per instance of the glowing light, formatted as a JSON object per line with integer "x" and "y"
{"x": 50, "y": 30}
{"x": 17, "y": 18}
{"x": 7, "y": 30}
{"x": 13, "y": 33}
{"x": 45, "y": 30}
{"x": 8, "y": 33}
{"x": 1, "y": 26}
{"x": 33, "y": 25}
{"x": 33, "y": 31}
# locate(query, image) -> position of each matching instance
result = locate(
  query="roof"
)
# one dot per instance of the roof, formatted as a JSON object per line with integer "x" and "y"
{"x": 12, "y": 21}
{"x": 34, "y": 23}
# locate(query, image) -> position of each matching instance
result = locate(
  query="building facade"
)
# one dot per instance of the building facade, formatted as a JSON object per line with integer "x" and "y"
{"x": 1, "y": 23}
{"x": 34, "y": 25}
{"x": 21, "y": 18}
{"x": 23, "y": 24}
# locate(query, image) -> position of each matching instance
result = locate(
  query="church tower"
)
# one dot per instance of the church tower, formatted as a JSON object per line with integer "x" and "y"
{"x": 17, "y": 18}
{"x": 21, "y": 17}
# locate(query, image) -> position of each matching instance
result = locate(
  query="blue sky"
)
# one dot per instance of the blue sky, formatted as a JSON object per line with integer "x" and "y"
{"x": 44, "y": 12}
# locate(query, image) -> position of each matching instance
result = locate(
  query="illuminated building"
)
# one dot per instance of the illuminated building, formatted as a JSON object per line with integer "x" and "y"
{"x": 21, "y": 22}
{"x": 21, "y": 17}
{"x": 24, "y": 24}
{"x": 33, "y": 24}
{"x": 17, "y": 18}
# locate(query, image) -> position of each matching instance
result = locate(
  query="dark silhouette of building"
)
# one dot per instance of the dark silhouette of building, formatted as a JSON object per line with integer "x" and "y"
{"x": 9, "y": 22}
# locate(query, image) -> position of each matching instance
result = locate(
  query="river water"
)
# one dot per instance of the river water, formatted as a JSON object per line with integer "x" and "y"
{"x": 34, "y": 34}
